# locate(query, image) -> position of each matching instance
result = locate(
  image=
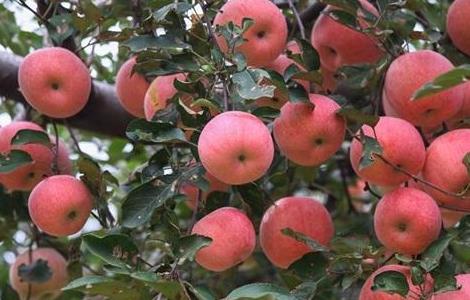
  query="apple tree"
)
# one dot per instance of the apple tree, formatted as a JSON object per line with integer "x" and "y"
{"x": 234, "y": 149}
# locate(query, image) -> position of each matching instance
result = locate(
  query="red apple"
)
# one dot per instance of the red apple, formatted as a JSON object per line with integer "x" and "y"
{"x": 303, "y": 215}
{"x": 236, "y": 147}
{"x": 462, "y": 118}
{"x": 131, "y": 89}
{"x": 407, "y": 221}
{"x": 55, "y": 82}
{"x": 49, "y": 289}
{"x": 233, "y": 239}
{"x": 322, "y": 130}
{"x": 65, "y": 198}
{"x": 457, "y": 25}
{"x": 445, "y": 168}
{"x": 368, "y": 294}
{"x": 159, "y": 92}
{"x": 407, "y": 74}
{"x": 265, "y": 39}
{"x": 402, "y": 146}
{"x": 339, "y": 45}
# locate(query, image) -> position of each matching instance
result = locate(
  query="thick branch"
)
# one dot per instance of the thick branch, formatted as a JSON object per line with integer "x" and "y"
{"x": 103, "y": 113}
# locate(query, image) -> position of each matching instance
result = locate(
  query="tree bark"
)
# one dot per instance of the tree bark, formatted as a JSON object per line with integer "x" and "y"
{"x": 102, "y": 114}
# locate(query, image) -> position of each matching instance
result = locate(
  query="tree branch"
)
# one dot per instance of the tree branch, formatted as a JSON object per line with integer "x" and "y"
{"x": 103, "y": 113}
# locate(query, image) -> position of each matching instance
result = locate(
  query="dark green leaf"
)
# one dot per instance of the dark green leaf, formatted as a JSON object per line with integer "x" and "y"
{"x": 154, "y": 132}
{"x": 456, "y": 76}
{"x": 370, "y": 147}
{"x": 28, "y": 136}
{"x": 115, "y": 249}
{"x": 165, "y": 42}
{"x": 248, "y": 84}
{"x": 432, "y": 255}
{"x": 189, "y": 245}
{"x": 37, "y": 272}
{"x": 356, "y": 116}
{"x": 305, "y": 291}
{"x": 14, "y": 160}
{"x": 391, "y": 282}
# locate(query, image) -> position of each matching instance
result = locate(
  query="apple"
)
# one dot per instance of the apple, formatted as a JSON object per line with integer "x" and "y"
{"x": 338, "y": 45}
{"x": 233, "y": 239}
{"x": 55, "y": 82}
{"x": 451, "y": 217}
{"x": 407, "y": 221}
{"x": 322, "y": 130}
{"x": 445, "y": 169}
{"x": 462, "y": 118}
{"x": 60, "y": 205}
{"x": 463, "y": 293}
{"x": 49, "y": 289}
{"x": 280, "y": 65}
{"x": 25, "y": 177}
{"x": 191, "y": 191}
{"x": 402, "y": 146}
{"x": 131, "y": 89}
{"x": 159, "y": 92}
{"x": 407, "y": 74}
{"x": 301, "y": 214}
{"x": 415, "y": 291}
{"x": 457, "y": 25}
{"x": 266, "y": 37}
{"x": 236, "y": 147}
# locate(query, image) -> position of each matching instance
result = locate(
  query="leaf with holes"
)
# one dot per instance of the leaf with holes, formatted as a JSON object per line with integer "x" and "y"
{"x": 115, "y": 249}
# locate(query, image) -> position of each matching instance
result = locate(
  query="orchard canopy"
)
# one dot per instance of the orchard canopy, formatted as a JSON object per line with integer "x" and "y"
{"x": 235, "y": 149}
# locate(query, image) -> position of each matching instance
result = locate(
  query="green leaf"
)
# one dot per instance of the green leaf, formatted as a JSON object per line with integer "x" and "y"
{"x": 142, "y": 201}
{"x": 356, "y": 116}
{"x": 444, "y": 283}
{"x": 190, "y": 245}
{"x": 432, "y": 255}
{"x": 312, "y": 244}
{"x": 179, "y": 7}
{"x": 417, "y": 275}
{"x": 370, "y": 146}
{"x": 343, "y": 17}
{"x": 259, "y": 291}
{"x": 248, "y": 84}
{"x": 105, "y": 286}
{"x": 305, "y": 291}
{"x": 170, "y": 289}
{"x": 466, "y": 162}
{"x": 310, "y": 57}
{"x": 299, "y": 95}
{"x": 37, "y": 272}
{"x": 115, "y": 249}
{"x": 456, "y": 76}
{"x": 14, "y": 160}
{"x": 28, "y": 136}
{"x": 391, "y": 282}
{"x": 140, "y": 130}
{"x": 162, "y": 42}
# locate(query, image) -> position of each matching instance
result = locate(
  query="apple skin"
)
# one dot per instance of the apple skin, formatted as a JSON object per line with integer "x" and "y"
{"x": 55, "y": 82}
{"x": 301, "y": 214}
{"x": 236, "y": 147}
{"x": 462, "y": 118}
{"x": 159, "y": 92}
{"x": 57, "y": 265}
{"x": 191, "y": 191}
{"x": 402, "y": 146}
{"x": 457, "y": 25}
{"x": 463, "y": 281}
{"x": 407, "y": 221}
{"x": 339, "y": 45}
{"x": 64, "y": 197}
{"x": 444, "y": 167}
{"x": 265, "y": 39}
{"x": 368, "y": 294}
{"x": 131, "y": 89}
{"x": 322, "y": 130}
{"x": 407, "y": 74}
{"x": 27, "y": 176}
{"x": 233, "y": 239}
{"x": 280, "y": 65}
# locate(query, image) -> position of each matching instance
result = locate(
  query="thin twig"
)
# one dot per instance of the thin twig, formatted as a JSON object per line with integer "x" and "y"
{"x": 74, "y": 138}
{"x": 55, "y": 165}
{"x": 25, "y": 5}
{"x": 102, "y": 223}
{"x": 300, "y": 25}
